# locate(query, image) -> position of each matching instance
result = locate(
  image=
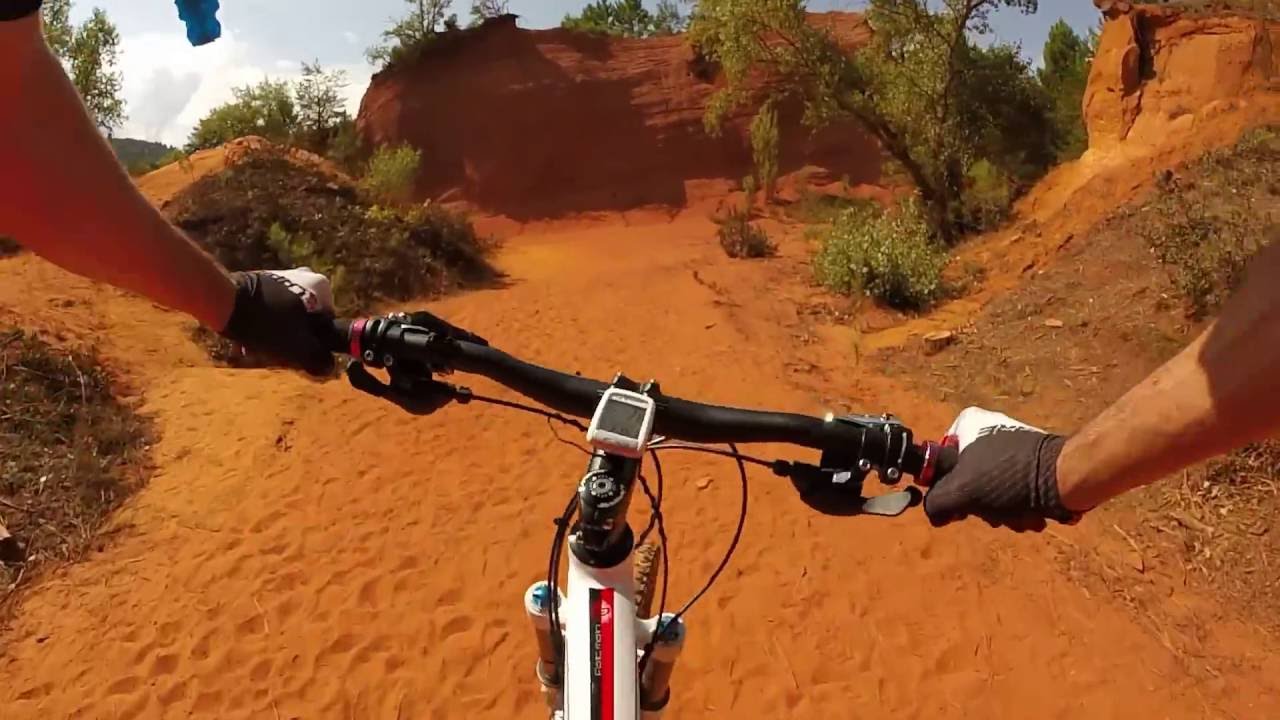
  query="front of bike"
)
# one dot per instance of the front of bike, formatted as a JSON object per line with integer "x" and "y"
{"x": 603, "y": 653}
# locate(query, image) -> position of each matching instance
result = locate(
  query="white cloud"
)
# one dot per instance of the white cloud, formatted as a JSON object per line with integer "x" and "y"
{"x": 170, "y": 85}
{"x": 350, "y": 37}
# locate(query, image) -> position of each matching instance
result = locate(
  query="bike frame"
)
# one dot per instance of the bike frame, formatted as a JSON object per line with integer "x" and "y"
{"x": 601, "y": 642}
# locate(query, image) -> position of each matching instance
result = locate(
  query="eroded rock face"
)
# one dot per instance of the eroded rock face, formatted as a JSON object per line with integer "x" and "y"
{"x": 1155, "y": 65}
{"x": 535, "y": 123}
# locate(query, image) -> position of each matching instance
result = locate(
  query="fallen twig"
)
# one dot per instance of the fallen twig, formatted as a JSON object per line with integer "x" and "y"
{"x": 263, "y": 613}
{"x": 1142, "y": 563}
{"x": 786, "y": 661}
{"x": 11, "y": 506}
{"x": 1191, "y": 523}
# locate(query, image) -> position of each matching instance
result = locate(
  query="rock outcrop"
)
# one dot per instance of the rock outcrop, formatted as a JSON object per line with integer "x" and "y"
{"x": 539, "y": 123}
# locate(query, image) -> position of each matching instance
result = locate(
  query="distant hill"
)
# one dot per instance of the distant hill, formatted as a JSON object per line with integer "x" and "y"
{"x": 139, "y": 153}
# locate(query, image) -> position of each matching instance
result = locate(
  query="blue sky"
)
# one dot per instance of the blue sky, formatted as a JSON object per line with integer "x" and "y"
{"x": 169, "y": 85}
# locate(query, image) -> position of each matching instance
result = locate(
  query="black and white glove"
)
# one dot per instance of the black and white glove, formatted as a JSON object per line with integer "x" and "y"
{"x": 1007, "y": 474}
{"x": 285, "y": 314}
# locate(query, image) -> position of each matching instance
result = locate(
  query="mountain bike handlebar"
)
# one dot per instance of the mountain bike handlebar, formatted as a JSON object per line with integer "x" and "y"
{"x": 881, "y": 441}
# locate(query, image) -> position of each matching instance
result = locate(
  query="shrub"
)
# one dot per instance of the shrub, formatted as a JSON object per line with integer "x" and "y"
{"x": 988, "y": 196}
{"x": 299, "y": 250}
{"x": 820, "y": 208}
{"x": 741, "y": 239}
{"x": 891, "y": 256}
{"x": 269, "y": 212}
{"x": 391, "y": 172}
{"x": 1206, "y": 251}
{"x": 72, "y": 453}
{"x": 1206, "y": 232}
{"x": 9, "y": 246}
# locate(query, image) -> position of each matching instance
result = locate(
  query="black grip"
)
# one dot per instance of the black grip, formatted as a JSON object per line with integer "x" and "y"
{"x": 338, "y": 339}
{"x": 947, "y": 461}
{"x": 941, "y": 460}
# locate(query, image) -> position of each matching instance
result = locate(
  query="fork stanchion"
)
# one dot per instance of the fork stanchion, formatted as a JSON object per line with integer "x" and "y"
{"x": 655, "y": 686}
{"x": 537, "y": 605}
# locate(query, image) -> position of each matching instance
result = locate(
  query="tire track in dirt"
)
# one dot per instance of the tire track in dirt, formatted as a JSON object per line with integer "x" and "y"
{"x": 371, "y": 564}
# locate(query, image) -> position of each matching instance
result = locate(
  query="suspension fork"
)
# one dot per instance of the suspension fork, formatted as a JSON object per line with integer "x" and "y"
{"x": 537, "y": 605}
{"x": 655, "y": 685}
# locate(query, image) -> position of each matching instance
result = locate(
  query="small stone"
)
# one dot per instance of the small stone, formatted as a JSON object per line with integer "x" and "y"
{"x": 703, "y": 483}
{"x": 936, "y": 342}
{"x": 1054, "y": 323}
{"x": 1027, "y": 386}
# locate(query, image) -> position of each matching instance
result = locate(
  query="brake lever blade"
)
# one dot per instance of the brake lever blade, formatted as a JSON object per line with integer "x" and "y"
{"x": 892, "y": 504}
{"x": 415, "y": 396}
{"x": 444, "y": 328}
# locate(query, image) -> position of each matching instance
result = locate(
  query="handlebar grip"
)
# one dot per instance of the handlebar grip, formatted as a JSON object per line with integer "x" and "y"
{"x": 338, "y": 340}
{"x": 940, "y": 461}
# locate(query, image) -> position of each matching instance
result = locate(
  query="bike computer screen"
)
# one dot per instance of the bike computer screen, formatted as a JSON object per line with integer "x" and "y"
{"x": 621, "y": 418}
{"x": 622, "y": 423}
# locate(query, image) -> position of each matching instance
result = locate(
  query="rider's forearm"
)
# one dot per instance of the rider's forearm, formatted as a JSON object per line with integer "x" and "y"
{"x": 64, "y": 196}
{"x": 1218, "y": 394}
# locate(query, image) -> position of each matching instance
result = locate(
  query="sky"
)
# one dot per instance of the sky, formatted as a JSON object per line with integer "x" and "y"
{"x": 169, "y": 85}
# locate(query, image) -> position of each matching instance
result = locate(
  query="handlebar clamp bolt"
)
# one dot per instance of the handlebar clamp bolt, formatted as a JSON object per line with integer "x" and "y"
{"x": 368, "y": 356}
{"x": 864, "y": 465}
{"x": 387, "y": 360}
{"x": 894, "y": 474}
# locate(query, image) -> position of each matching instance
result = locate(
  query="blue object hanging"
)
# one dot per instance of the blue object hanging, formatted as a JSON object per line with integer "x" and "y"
{"x": 201, "y": 17}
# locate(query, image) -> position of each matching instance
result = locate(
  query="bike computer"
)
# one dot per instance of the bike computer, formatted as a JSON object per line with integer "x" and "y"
{"x": 623, "y": 423}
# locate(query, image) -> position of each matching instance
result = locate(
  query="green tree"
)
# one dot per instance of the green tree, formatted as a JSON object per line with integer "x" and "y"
{"x": 482, "y": 10}
{"x": 58, "y": 31}
{"x": 90, "y": 53}
{"x": 1065, "y": 74}
{"x": 624, "y": 18}
{"x": 764, "y": 148}
{"x": 667, "y": 18}
{"x": 321, "y": 109}
{"x": 410, "y": 33}
{"x": 265, "y": 109}
{"x": 908, "y": 87}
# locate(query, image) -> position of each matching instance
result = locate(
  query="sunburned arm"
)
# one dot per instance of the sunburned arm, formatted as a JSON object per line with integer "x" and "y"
{"x": 64, "y": 195}
{"x": 1219, "y": 393}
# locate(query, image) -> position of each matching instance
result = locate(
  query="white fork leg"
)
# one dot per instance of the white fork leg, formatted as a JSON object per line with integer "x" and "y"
{"x": 655, "y": 686}
{"x": 537, "y": 604}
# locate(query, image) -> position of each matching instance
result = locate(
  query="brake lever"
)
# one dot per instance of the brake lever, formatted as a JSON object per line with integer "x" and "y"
{"x": 839, "y": 492}
{"x": 414, "y": 394}
{"x": 438, "y": 325}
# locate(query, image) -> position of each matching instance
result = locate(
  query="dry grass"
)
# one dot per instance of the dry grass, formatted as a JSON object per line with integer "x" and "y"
{"x": 1219, "y": 518}
{"x": 741, "y": 239}
{"x": 72, "y": 453}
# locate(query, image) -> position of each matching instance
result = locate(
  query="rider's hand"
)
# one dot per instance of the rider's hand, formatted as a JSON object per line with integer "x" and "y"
{"x": 284, "y": 314}
{"x": 1007, "y": 474}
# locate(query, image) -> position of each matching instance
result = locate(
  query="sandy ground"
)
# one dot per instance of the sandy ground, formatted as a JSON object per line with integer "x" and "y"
{"x": 304, "y": 551}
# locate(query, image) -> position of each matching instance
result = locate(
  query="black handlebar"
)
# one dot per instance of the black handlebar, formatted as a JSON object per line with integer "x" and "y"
{"x": 884, "y": 443}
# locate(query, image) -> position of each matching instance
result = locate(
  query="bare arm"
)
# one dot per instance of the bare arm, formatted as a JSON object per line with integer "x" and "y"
{"x": 1221, "y": 392}
{"x": 64, "y": 196}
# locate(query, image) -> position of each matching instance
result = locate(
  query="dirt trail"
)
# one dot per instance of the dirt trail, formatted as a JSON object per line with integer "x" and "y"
{"x": 304, "y": 551}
